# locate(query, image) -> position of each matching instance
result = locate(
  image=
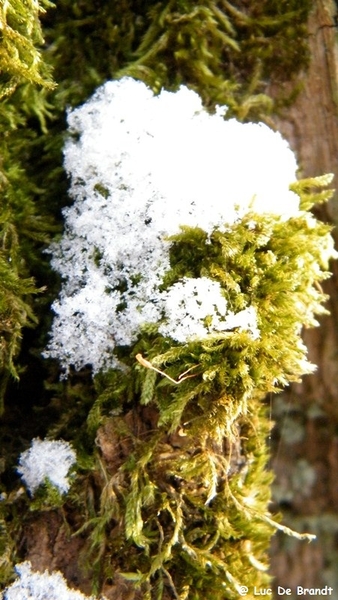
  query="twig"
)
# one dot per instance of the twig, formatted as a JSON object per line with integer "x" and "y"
{"x": 145, "y": 363}
{"x": 171, "y": 583}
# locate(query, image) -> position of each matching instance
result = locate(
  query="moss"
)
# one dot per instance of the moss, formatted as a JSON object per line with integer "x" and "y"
{"x": 22, "y": 226}
{"x": 225, "y": 51}
{"x": 161, "y": 499}
{"x": 185, "y": 487}
{"x": 88, "y": 42}
{"x": 21, "y": 36}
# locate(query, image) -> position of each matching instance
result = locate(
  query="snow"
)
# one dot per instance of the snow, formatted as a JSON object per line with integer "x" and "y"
{"x": 141, "y": 166}
{"x": 47, "y": 459}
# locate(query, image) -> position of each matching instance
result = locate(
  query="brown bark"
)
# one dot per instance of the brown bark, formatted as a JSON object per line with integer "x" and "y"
{"x": 305, "y": 442}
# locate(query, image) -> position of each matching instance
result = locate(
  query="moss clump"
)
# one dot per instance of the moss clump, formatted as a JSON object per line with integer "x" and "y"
{"x": 22, "y": 225}
{"x": 228, "y": 52}
{"x": 242, "y": 46}
{"x": 184, "y": 489}
{"x": 225, "y": 51}
{"x": 21, "y": 35}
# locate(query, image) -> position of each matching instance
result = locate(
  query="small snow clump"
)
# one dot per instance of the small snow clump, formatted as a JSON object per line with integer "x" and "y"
{"x": 190, "y": 302}
{"x": 32, "y": 585}
{"x": 47, "y": 459}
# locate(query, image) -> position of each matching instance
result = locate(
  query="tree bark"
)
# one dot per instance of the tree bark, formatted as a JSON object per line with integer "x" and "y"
{"x": 305, "y": 441}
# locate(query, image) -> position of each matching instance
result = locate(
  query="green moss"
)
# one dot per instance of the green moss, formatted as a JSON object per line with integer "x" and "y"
{"x": 21, "y": 36}
{"x": 225, "y": 51}
{"x": 89, "y": 42}
{"x": 188, "y": 490}
{"x": 23, "y": 227}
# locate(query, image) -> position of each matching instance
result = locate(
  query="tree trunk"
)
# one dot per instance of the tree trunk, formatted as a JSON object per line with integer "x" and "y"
{"x": 304, "y": 441}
